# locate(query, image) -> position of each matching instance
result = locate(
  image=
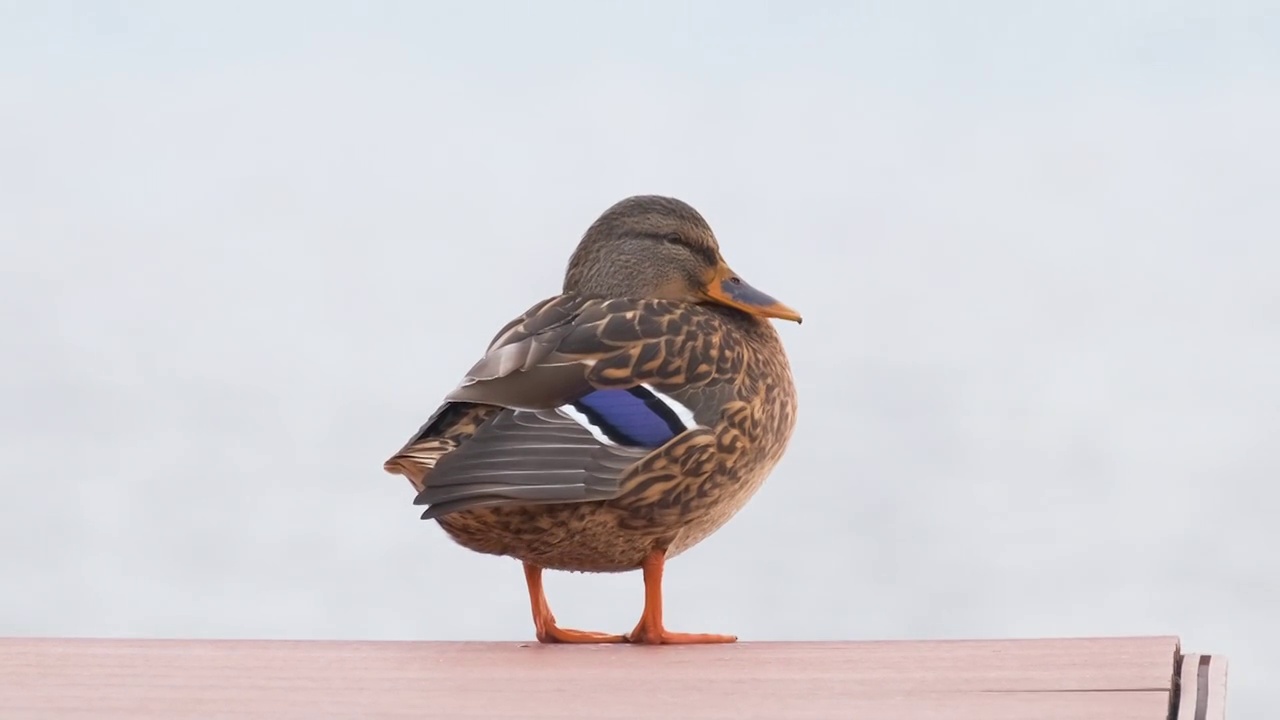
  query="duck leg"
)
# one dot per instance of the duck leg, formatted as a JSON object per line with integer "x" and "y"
{"x": 545, "y": 623}
{"x": 650, "y": 629}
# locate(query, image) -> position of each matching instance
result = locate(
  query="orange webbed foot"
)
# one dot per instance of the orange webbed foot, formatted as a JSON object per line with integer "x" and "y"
{"x": 644, "y": 635}
{"x": 545, "y": 623}
{"x": 650, "y": 630}
{"x": 553, "y": 634}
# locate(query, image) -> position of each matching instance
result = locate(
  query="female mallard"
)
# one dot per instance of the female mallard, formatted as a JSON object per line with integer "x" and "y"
{"x": 617, "y": 424}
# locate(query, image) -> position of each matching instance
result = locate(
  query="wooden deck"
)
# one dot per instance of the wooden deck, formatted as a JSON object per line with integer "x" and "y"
{"x": 1113, "y": 678}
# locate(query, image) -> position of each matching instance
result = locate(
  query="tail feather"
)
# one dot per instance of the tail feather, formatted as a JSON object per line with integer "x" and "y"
{"x": 450, "y": 426}
{"x": 418, "y": 459}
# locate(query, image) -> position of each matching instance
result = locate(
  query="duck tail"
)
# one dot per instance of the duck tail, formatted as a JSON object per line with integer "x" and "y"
{"x": 447, "y": 428}
{"x": 416, "y": 460}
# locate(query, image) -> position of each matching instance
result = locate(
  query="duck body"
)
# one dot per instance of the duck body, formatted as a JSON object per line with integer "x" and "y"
{"x": 657, "y": 421}
{"x": 617, "y": 424}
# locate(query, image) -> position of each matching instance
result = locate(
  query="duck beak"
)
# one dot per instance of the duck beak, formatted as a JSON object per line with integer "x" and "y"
{"x": 723, "y": 286}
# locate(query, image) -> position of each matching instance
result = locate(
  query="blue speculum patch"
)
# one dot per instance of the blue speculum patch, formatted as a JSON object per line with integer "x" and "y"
{"x": 634, "y": 416}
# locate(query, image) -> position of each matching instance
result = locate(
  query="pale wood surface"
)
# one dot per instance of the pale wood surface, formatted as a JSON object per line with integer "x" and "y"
{"x": 1116, "y": 678}
{"x": 1203, "y": 683}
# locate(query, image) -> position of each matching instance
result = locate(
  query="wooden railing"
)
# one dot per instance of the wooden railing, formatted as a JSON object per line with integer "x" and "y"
{"x": 1145, "y": 678}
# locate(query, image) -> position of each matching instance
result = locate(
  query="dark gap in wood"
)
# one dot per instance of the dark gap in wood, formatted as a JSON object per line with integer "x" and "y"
{"x": 1175, "y": 692}
{"x": 1202, "y": 687}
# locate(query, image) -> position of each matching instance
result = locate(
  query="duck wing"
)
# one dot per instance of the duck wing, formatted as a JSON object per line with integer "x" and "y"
{"x": 566, "y": 400}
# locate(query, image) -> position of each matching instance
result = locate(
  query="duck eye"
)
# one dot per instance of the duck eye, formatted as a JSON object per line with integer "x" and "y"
{"x": 673, "y": 239}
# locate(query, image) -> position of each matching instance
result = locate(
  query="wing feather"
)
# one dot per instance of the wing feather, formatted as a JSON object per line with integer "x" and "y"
{"x": 528, "y": 457}
{"x": 524, "y": 450}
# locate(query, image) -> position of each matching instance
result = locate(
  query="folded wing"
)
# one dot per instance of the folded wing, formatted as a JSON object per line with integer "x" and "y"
{"x": 570, "y": 397}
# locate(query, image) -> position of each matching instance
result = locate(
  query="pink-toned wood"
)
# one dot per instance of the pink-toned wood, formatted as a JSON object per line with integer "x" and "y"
{"x": 1203, "y": 688}
{"x": 1118, "y": 678}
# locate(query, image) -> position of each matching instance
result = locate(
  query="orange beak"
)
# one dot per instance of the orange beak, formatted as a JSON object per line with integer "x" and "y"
{"x": 723, "y": 286}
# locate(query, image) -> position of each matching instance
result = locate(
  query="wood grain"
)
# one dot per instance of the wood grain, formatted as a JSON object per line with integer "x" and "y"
{"x": 1119, "y": 678}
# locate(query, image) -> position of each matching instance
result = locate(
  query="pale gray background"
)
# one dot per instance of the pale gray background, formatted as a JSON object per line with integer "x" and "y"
{"x": 247, "y": 248}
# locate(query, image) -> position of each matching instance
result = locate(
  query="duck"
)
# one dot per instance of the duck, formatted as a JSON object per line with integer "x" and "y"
{"x": 615, "y": 425}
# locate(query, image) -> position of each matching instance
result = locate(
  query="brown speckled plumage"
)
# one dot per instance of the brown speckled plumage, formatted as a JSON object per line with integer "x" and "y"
{"x": 648, "y": 302}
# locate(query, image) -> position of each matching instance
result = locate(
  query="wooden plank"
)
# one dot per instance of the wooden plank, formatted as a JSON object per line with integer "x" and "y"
{"x": 1121, "y": 678}
{"x": 1202, "y": 688}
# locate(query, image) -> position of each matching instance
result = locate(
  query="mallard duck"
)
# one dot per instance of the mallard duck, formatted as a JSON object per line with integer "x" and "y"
{"x": 613, "y": 426}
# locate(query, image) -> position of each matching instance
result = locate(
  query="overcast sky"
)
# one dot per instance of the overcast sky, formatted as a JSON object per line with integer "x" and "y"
{"x": 247, "y": 247}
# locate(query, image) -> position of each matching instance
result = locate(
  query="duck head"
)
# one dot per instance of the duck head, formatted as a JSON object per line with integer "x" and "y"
{"x": 649, "y": 246}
